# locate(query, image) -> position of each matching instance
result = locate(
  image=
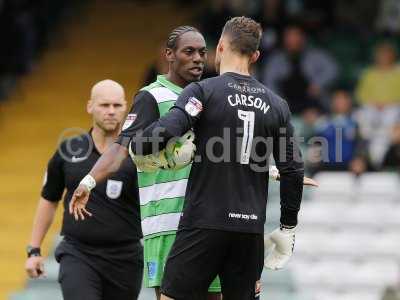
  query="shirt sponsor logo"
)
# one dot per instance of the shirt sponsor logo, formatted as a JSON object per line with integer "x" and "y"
{"x": 244, "y": 87}
{"x": 152, "y": 270}
{"x": 242, "y": 216}
{"x": 130, "y": 118}
{"x": 193, "y": 106}
{"x": 114, "y": 188}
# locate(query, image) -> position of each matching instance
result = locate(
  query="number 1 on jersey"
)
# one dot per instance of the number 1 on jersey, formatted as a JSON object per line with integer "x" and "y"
{"x": 248, "y": 132}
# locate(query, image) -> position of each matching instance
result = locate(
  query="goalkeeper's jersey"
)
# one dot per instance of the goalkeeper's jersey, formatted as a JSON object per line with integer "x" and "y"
{"x": 161, "y": 192}
{"x": 238, "y": 124}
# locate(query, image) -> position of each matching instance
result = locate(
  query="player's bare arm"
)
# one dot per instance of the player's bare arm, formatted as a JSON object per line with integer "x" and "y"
{"x": 108, "y": 163}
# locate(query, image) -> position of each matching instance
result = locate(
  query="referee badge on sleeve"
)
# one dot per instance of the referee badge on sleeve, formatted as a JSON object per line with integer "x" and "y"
{"x": 193, "y": 107}
{"x": 114, "y": 188}
{"x": 130, "y": 118}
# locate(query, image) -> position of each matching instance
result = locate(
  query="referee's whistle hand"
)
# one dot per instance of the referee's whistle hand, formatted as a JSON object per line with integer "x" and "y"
{"x": 77, "y": 205}
{"x": 34, "y": 267}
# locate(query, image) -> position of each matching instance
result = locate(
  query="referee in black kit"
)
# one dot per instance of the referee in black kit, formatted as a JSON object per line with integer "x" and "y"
{"x": 101, "y": 258}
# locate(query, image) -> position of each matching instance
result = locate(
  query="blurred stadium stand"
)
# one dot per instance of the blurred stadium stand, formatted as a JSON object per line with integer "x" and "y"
{"x": 348, "y": 241}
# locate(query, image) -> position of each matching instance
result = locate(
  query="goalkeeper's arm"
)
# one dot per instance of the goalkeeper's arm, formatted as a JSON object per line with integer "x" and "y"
{"x": 280, "y": 243}
{"x": 289, "y": 162}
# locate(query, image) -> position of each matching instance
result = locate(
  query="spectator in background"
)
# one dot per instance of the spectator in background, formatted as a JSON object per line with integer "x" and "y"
{"x": 388, "y": 20}
{"x": 354, "y": 17}
{"x": 160, "y": 66}
{"x": 272, "y": 16}
{"x": 299, "y": 73}
{"x": 379, "y": 84}
{"x": 378, "y": 93}
{"x": 391, "y": 293}
{"x": 25, "y": 27}
{"x": 392, "y": 156}
{"x": 19, "y": 35}
{"x": 340, "y": 131}
{"x": 214, "y": 16}
{"x": 209, "y": 70}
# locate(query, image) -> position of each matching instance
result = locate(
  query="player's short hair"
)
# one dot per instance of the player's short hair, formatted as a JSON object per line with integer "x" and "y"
{"x": 175, "y": 34}
{"x": 244, "y": 33}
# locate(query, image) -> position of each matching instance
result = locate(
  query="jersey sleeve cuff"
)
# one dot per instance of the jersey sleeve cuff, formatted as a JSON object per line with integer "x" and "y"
{"x": 289, "y": 217}
{"x": 50, "y": 197}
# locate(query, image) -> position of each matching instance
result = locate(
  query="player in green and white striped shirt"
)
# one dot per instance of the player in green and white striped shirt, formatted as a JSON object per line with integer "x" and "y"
{"x": 162, "y": 191}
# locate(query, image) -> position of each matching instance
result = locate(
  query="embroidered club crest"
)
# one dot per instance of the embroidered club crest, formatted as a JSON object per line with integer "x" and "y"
{"x": 114, "y": 188}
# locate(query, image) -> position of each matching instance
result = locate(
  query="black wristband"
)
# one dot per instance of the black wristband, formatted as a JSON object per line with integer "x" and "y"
{"x": 33, "y": 251}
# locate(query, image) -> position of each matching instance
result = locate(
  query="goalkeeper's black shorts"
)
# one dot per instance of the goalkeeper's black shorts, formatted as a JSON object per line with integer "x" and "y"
{"x": 199, "y": 255}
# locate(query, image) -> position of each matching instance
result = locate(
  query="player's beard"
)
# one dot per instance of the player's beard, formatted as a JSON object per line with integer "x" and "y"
{"x": 108, "y": 128}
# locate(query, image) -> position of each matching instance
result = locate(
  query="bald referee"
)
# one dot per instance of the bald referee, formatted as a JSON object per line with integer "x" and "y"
{"x": 101, "y": 258}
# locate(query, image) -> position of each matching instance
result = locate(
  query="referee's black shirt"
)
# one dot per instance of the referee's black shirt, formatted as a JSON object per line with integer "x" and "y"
{"x": 114, "y": 202}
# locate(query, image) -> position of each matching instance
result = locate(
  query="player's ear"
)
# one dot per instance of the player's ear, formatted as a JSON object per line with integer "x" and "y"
{"x": 89, "y": 107}
{"x": 220, "y": 46}
{"x": 254, "y": 57}
{"x": 169, "y": 55}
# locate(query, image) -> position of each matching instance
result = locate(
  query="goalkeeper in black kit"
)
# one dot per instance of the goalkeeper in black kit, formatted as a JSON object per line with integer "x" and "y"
{"x": 221, "y": 229}
{"x": 238, "y": 123}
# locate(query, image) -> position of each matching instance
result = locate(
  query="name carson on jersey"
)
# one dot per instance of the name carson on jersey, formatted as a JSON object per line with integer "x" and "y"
{"x": 241, "y": 99}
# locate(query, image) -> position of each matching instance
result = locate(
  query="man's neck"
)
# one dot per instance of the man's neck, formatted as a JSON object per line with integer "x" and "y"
{"x": 176, "y": 79}
{"x": 234, "y": 63}
{"x": 103, "y": 139}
